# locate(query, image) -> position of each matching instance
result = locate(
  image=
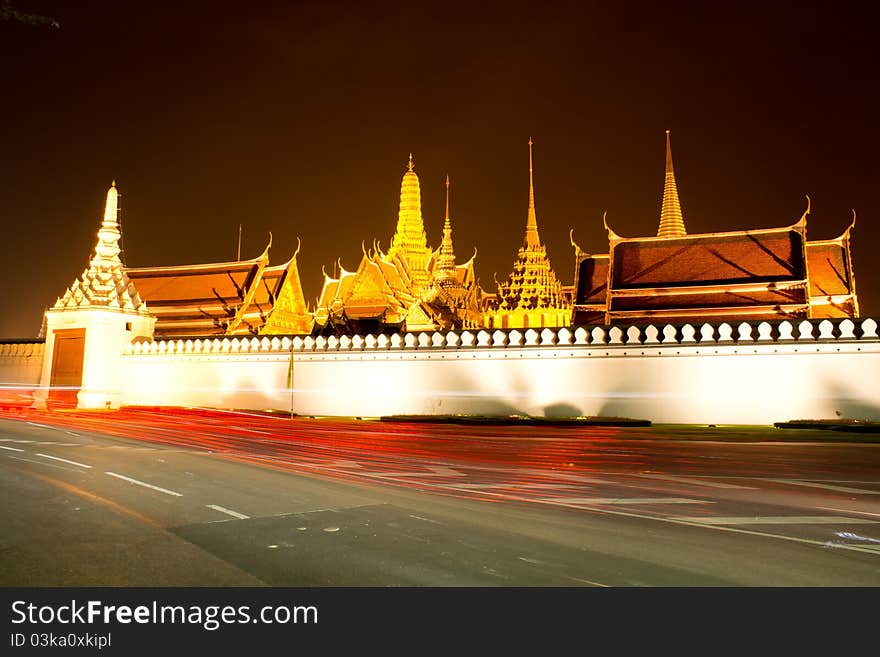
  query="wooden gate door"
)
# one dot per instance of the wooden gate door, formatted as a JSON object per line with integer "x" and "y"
{"x": 67, "y": 367}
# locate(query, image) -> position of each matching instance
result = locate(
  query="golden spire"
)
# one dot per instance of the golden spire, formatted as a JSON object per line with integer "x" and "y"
{"x": 446, "y": 221}
{"x": 409, "y": 240}
{"x": 445, "y": 268}
{"x": 532, "y": 238}
{"x": 671, "y": 220}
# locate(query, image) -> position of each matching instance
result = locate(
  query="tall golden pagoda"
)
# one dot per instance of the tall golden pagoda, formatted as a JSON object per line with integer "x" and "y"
{"x": 409, "y": 243}
{"x": 532, "y": 296}
{"x": 671, "y": 220}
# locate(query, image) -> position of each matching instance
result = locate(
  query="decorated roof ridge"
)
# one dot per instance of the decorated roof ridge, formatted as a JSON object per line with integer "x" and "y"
{"x": 284, "y": 265}
{"x": 343, "y": 272}
{"x": 531, "y": 237}
{"x": 671, "y": 219}
{"x": 242, "y": 264}
{"x": 580, "y": 252}
{"x": 328, "y": 277}
{"x": 799, "y": 226}
{"x": 840, "y": 238}
{"x": 469, "y": 260}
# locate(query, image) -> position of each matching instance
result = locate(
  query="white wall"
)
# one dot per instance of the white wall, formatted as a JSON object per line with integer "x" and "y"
{"x": 108, "y": 333}
{"x": 744, "y": 374}
{"x": 20, "y": 367}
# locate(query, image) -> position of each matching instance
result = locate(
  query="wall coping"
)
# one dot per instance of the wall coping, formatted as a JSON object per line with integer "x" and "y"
{"x": 718, "y": 333}
{"x": 22, "y": 348}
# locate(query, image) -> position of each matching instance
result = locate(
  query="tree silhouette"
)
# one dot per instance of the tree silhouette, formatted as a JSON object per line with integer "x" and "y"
{"x": 10, "y": 13}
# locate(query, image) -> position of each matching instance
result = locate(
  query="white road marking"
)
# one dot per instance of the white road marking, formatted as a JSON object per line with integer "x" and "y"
{"x": 778, "y": 520}
{"x": 864, "y": 513}
{"x": 144, "y": 484}
{"x": 814, "y": 484}
{"x": 691, "y": 480}
{"x": 44, "y": 464}
{"x": 57, "y": 458}
{"x": 591, "y": 501}
{"x": 44, "y": 426}
{"x": 587, "y": 581}
{"x": 11, "y": 449}
{"x": 229, "y": 512}
{"x": 686, "y": 523}
{"x": 872, "y": 548}
{"x": 14, "y": 440}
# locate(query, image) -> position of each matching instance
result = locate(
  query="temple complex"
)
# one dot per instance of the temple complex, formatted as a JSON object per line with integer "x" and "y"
{"x": 409, "y": 288}
{"x": 772, "y": 273}
{"x": 532, "y": 296}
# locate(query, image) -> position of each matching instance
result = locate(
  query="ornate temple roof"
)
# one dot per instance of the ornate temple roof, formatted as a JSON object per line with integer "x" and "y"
{"x": 832, "y": 282}
{"x": 104, "y": 283}
{"x": 773, "y": 254}
{"x": 220, "y": 298}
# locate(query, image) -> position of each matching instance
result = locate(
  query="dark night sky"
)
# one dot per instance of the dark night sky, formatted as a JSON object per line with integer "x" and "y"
{"x": 297, "y": 118}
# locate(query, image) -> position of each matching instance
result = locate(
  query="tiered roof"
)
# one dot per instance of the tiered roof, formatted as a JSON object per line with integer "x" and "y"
{"x": 224, "y": 298}
{"x": 772, "y": 273}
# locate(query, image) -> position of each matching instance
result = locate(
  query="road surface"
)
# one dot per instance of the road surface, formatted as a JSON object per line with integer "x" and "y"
{"x": 211, "y": 498}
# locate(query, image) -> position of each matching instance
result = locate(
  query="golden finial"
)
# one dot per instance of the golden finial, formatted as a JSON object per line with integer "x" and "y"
{"x": 447, "y": 197}
{"x": 532, "y": 238}
{"x": 410, "y": 165}
{"x": 113, "y": 184}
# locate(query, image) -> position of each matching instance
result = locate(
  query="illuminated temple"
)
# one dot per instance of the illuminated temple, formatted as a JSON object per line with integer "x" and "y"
{"x": 531, "y": 297}
{"x": 404, "y": 333}
{"x": 773, "y": 273}
{"x": 673, "y": 276}
{"x": 409, "y": 288}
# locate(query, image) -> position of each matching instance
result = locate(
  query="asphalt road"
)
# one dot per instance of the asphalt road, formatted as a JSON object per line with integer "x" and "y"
{"x": 141, "y": 498}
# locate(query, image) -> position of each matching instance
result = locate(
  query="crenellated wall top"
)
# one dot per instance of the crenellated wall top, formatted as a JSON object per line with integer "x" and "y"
{"x": 24, "y": 349}
{"x": 720, "y": 333}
